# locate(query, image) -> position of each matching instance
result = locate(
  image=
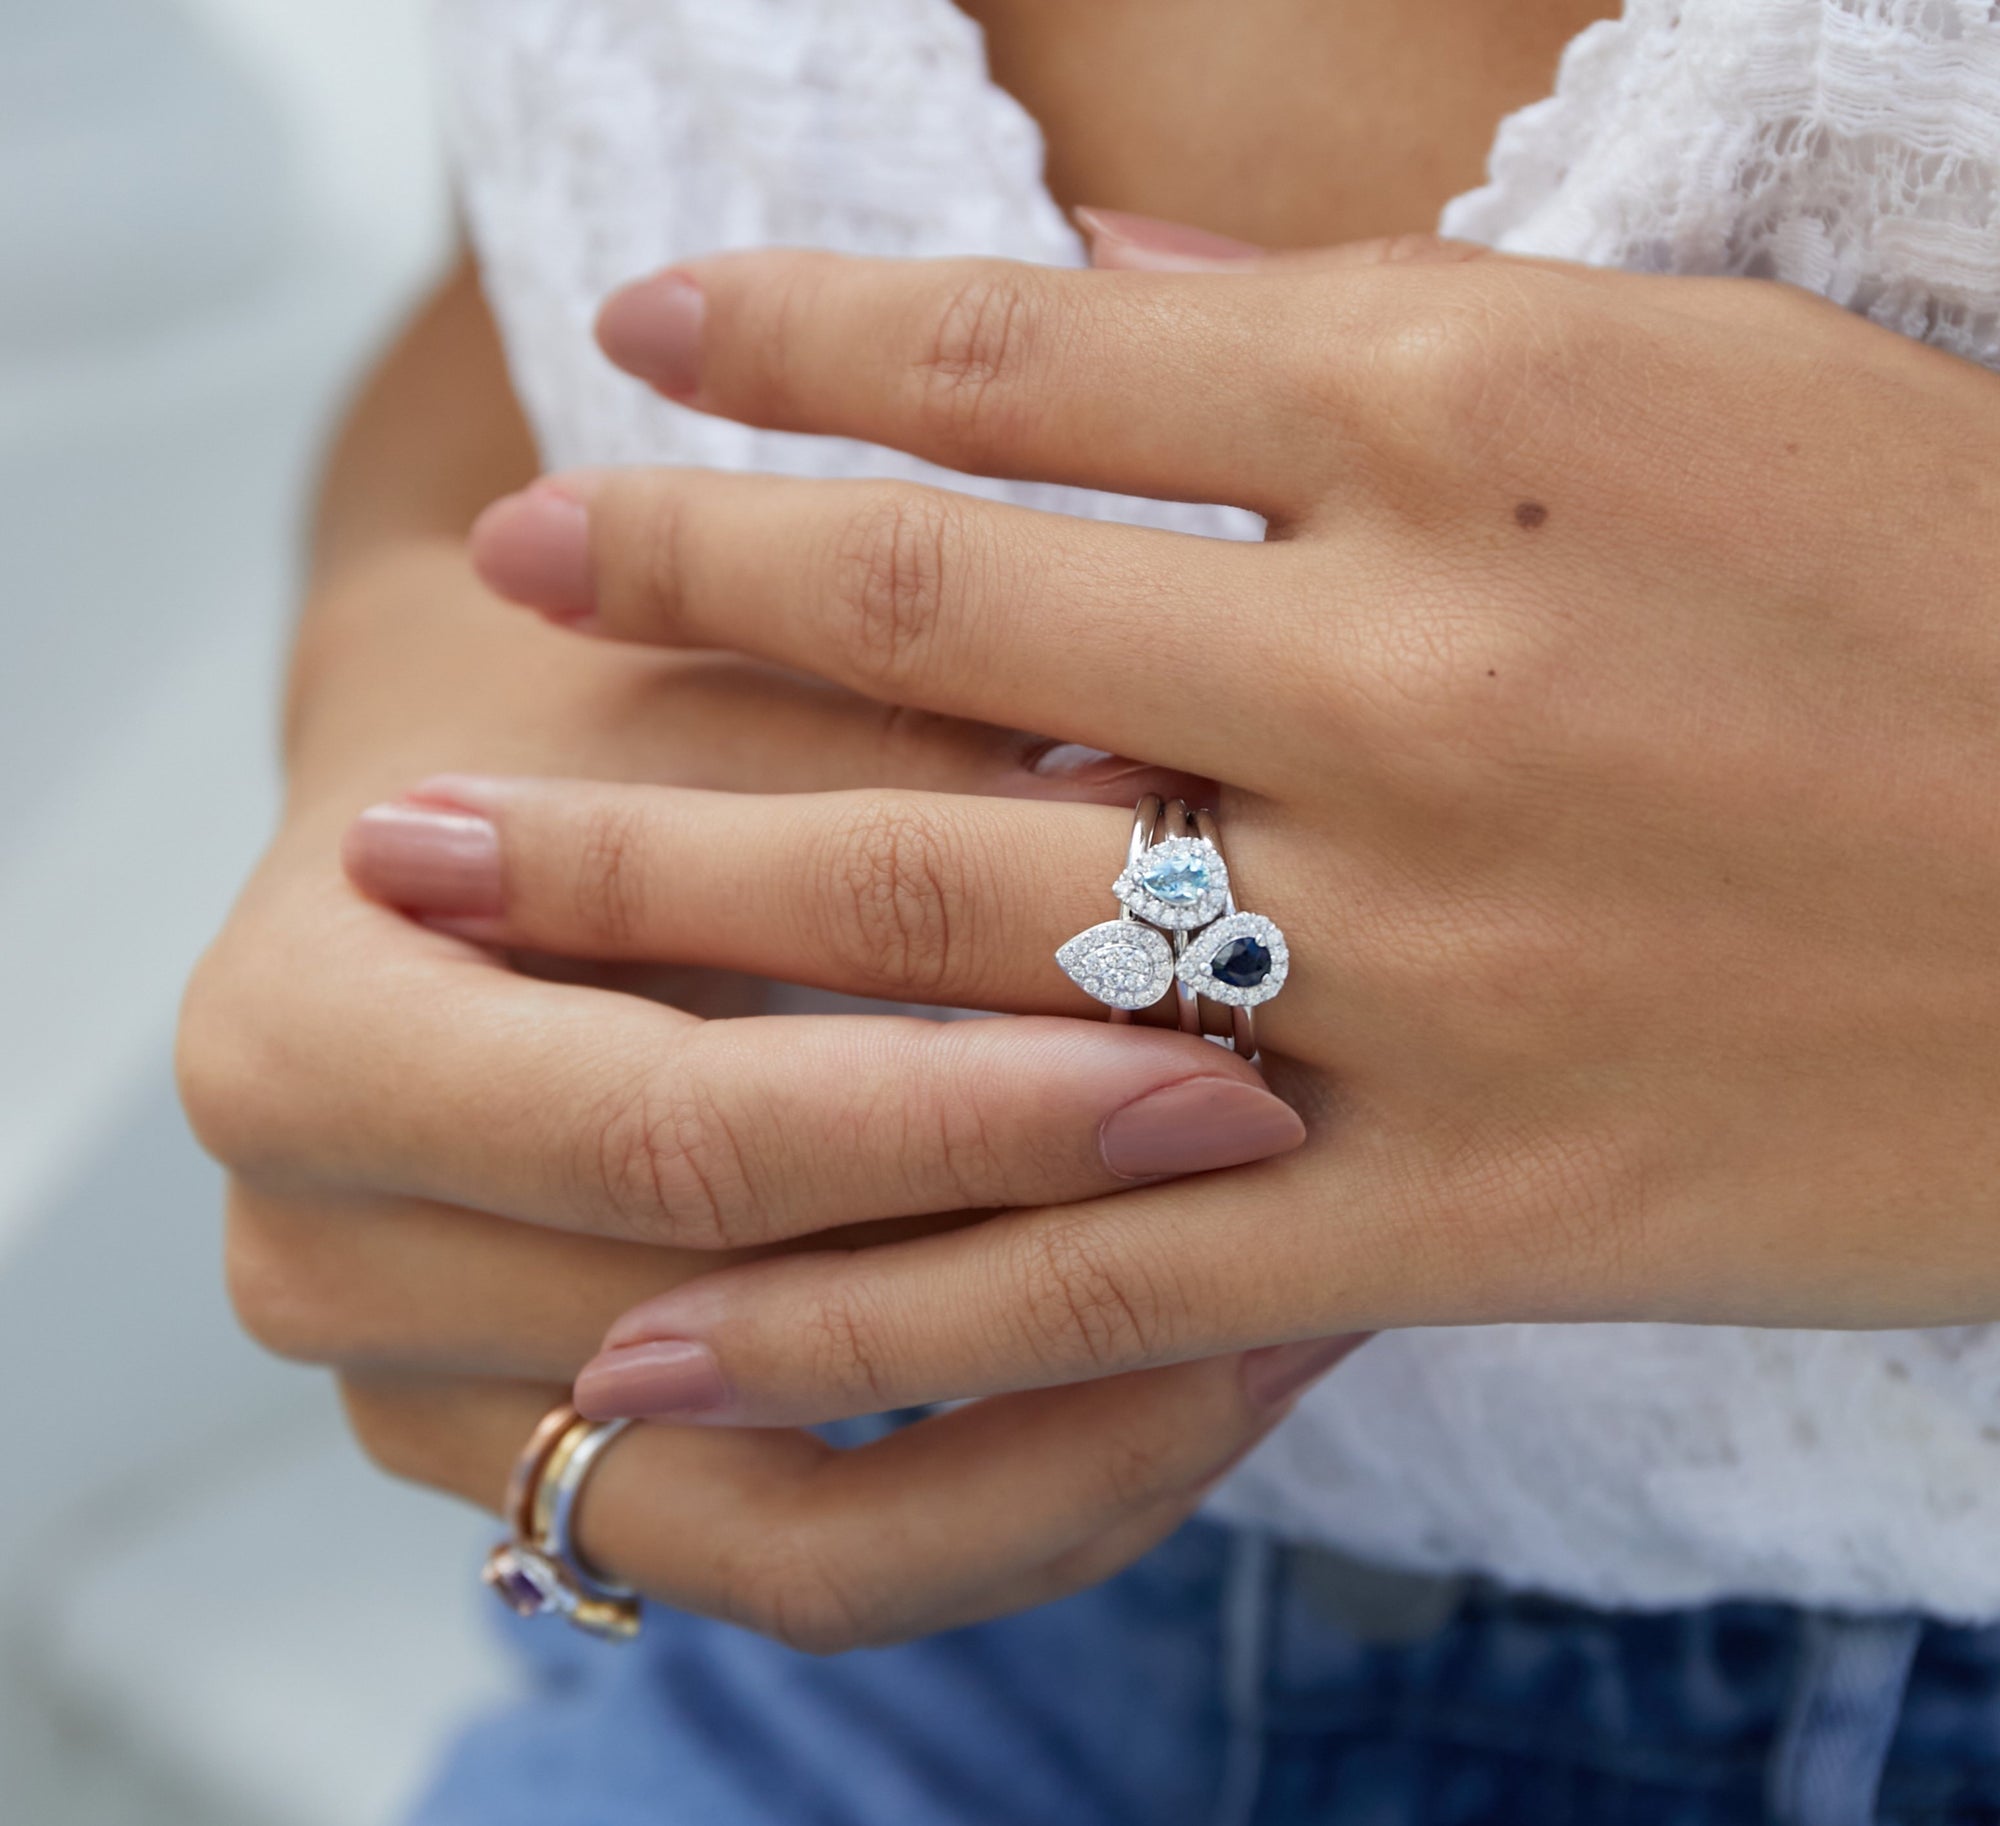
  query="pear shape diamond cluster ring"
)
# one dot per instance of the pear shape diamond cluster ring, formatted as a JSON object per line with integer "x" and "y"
{"x": 1178, "y": 928}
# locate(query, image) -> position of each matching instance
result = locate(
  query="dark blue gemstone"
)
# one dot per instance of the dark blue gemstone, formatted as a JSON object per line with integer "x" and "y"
{"x": 1243, "y": 963}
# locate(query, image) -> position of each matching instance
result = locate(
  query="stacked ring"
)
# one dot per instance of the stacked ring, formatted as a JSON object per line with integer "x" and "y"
{"x": 1179, "y": 927}
{"x": 538, "y": 1571}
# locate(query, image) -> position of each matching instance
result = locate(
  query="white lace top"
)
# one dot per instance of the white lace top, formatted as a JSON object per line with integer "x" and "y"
{"x": 1852, "y": 146}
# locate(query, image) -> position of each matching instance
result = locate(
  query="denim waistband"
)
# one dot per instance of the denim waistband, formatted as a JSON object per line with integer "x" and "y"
{"x": 1777, "y": 1714}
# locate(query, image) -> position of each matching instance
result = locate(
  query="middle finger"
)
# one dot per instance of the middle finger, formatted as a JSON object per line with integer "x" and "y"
{"x": 1093, "y": 631}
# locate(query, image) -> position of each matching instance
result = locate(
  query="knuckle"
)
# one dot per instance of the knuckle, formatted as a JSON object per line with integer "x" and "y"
{"x": 1084, "y": 1308}
{"x": 273, "y": 1292}
{"x": 1472, "y": 367}
{"x": 974, "y": 357}
{"x": 892, "y": 566}
{"x": 1463, "y": 365}
{"x": 1139, "y": 1465}
{"x": 890, "y": 884}
{"x": 611, "y": 889}
{"x": 841, "y": 1342}
{"x": 380, "y": 1424}
{"x": 225, "y": 1090}
{"x": 787, "y": 1588}
{"x": 667, "y": 1164}
{"x": 970, "y": 1152}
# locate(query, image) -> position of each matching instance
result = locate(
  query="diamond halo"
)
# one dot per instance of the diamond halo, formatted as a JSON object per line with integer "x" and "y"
{"x": 1197, "y": 967}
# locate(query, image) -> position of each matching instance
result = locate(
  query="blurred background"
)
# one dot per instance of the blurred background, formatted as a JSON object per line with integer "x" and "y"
{"x": 210, "y": 1610}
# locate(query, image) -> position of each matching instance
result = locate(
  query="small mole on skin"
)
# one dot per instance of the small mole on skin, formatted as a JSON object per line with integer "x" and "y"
{"x": 1530, "y": 514}
{"x": 1791, "y": 449}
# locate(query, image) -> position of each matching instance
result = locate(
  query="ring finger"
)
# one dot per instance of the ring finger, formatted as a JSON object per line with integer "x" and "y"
{"x": 913, "y": 897}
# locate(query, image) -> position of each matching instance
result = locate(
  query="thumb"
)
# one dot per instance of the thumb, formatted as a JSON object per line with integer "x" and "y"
{"x": 1120, "y": 241}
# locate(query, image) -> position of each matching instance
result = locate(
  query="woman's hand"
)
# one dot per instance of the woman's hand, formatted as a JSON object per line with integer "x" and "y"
{"x": 1609, "y": 721}
{"x": 389, "y": 1098}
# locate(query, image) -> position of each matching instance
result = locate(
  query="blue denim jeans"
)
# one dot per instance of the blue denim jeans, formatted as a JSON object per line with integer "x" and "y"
{"x": 1222, "y": 1681}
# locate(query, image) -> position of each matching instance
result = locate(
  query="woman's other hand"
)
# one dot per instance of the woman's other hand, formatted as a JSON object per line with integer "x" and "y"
{"x": 1609, "y": 721}
{"x": 448, "y": 1173}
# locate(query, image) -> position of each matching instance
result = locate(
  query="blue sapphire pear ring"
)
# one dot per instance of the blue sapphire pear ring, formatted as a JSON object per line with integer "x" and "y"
{"x": 1179, "y": 928}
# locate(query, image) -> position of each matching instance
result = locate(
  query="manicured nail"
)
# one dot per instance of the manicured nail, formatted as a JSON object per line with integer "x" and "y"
{"x": 428, "y": 859}
{"x": 1089, "y": 766}
{"x": 1074, "y": 758}
{"x": 534, "y": 548}
{"x": 1273, "y": 1375}
{"x": 1195, "y": 1127}
{"x": 663, "y": 1380}
{"x": 653, "y": 329}
{"x": 1119, "y": 239}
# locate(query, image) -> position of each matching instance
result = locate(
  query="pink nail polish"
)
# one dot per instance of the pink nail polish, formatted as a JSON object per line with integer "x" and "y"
{"x": 426, "y": 859}
{"x": 1119, "y": 239}
{"x": 653, "y": 329}
{"x": 1195, "y": 1127}
{"x": 665, "y": 1380}
{"x": 534, "y": 548}
{"x": 1273, "y": 1375}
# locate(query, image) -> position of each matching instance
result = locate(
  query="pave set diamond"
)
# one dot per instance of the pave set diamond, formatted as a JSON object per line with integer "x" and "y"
{"x": 1122, "y": 963}
{"x": 1177, "y": 886}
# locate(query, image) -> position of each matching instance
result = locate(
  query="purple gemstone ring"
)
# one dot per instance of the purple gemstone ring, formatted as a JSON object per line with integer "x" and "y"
{"x": 538, "y": 1572}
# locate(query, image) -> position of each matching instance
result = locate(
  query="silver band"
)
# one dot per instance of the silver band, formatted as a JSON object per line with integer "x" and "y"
{"x": 564, "y": 1490}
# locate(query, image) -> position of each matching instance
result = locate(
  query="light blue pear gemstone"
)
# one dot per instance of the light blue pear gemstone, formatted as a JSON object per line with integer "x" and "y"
{"x": 1179, "y": 883}
{"x": 1178, "y": 877}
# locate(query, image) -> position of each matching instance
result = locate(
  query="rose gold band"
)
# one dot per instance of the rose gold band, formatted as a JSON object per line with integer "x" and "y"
{"x": 534, "y": 1572}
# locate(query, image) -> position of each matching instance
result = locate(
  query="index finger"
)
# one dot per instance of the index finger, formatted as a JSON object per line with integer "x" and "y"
{"x": 1180, "y": 387}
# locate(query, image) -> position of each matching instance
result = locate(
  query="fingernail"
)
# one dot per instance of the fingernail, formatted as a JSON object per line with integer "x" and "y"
{"x": 653, "y": 329}
{"x": 426, "y": 859}
{"x": 1073, "y": 758}
{"x": 1273, "y": 1375}
{"x": 1096, "y": 766}
{"x": 1195, "y": 1127}
{"x": 1119, "y": 239}
{"x": 534, "y": 548}
{"x": 657, "y": 1381}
